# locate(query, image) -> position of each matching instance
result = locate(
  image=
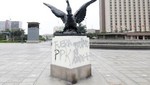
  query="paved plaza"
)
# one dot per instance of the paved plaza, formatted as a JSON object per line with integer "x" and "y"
{"x": 29, "y": 64}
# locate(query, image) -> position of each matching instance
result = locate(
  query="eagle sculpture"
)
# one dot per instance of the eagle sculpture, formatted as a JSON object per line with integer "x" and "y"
{"x": 69, "y": 19}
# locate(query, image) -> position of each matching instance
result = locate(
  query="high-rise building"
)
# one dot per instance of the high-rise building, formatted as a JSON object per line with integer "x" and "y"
{"x": 7, "y": 24}
{"x": 102, "y": 15}
{"x": 16, "y": 24}
{"x": 125, "y": 15}
{"x": 2, "y": 25}
{"x": 11, "y": 25}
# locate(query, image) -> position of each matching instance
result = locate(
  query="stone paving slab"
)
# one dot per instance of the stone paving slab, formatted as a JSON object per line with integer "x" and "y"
{"x": 29, "y": 64}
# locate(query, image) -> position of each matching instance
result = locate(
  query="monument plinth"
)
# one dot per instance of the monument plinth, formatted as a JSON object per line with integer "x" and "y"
{"x": 70, "y": 58}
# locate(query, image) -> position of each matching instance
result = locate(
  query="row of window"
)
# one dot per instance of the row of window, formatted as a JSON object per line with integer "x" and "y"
{"x": 140, "y": 9}
{"x": 125, "y": 7}
{"x": 129, "y": 1}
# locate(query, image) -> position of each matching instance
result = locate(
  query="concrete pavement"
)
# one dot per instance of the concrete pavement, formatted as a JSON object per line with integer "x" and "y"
{"x": 29, "y": 64}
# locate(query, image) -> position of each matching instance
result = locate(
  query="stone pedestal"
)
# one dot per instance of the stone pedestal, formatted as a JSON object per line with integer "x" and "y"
{"x": 33, "y": 41}
{"x": 70, "y": 58}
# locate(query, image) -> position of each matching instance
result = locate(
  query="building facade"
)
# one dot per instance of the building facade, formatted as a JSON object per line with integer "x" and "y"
{"x": 125, "y": 15}
{"x": 102, "y": 15}
{"x": 2, "y": 26}
{"x": 7, "y": 24}
{"x": 11, "y": 25}
{"x": 16, "y": 24}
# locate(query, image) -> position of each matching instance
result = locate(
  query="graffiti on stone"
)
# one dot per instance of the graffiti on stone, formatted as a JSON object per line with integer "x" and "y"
{"x": 72, "y": 51}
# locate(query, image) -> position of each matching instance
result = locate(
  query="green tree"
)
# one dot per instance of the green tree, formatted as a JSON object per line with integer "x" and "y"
{"x": 81, "y": 28}
{"x": 92, "y": 35}
{"x": 4, "y": 35}
{"x": 41, "y": 38}
{"x": 16, "y": 35}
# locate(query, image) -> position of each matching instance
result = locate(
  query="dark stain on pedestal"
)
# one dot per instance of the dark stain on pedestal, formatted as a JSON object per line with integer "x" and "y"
{"x": 74, "y": 79}
{"x": 89, "y": 73}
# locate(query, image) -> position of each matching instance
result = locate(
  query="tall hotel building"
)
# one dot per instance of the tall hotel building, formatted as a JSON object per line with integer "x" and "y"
{"x": 125, "y": 15}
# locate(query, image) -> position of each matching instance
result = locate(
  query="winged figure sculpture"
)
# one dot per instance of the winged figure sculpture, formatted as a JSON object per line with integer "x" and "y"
{"x": 69, "y": 19}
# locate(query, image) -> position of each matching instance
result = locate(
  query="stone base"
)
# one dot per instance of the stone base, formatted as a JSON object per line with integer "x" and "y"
{"x": 32, "y": 41}
{"x": 71, "y": 75}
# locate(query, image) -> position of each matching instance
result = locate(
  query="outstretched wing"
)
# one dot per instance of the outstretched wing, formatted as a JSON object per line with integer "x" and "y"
{"x": 57, "y": 12}
{"x": 81, "y": 13}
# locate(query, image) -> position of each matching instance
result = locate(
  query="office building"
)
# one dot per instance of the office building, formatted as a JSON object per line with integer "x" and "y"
{"x": 11, "y": 25}
{"x": 8, "y": 24}
{"x": 102, "y": 15}
{"x": 16, "y": 25}
{"x": 2, "y": 26}
{"x": 125, "y": 15}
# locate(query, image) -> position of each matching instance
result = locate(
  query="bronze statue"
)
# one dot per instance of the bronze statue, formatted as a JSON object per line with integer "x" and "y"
{"x": 69, "y": 19}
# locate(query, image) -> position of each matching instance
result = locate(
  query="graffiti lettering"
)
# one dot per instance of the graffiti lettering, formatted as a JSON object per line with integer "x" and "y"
{"x": 71, "y": 51}
{"x": 56, "y": 53}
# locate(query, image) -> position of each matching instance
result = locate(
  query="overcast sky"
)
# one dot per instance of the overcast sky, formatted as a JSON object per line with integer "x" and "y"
{"x": 35, "y": 11}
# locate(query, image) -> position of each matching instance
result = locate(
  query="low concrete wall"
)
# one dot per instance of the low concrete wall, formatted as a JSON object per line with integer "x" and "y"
{"x": 33, "y": 41}
{"x": 120, "y": 44}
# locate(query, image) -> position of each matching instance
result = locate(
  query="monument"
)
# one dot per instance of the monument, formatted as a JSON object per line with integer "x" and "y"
{"x": 70, "y": 48}
{"x": 33, "y": 32}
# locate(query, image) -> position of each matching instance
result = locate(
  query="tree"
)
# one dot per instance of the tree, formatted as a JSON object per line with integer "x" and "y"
{"x": 81, "y": 28}
{"x": 92, "y": 35}
{"x": 16, "y": 35}
{"x": 42, "y": 38}
{"x": 4, "y": 35}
